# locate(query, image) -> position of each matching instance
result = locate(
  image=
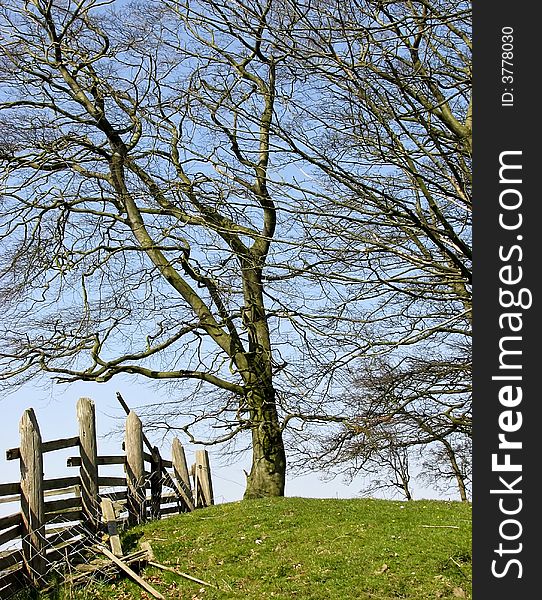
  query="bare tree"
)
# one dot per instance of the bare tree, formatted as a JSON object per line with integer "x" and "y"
{"x": 383, "y": 120}
{"x": 381, "y": 125}
{"x": 247, "y": 196}
{"x": 133, "y": 242}
{"x": 398, "y": 416}
{"x": 447, "y": 464}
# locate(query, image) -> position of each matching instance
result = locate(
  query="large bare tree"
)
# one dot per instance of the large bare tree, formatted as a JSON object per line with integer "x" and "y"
{"x": 248, "y": 196}
{"x": 136, "y": 211}
{"x": 380, "y": 123}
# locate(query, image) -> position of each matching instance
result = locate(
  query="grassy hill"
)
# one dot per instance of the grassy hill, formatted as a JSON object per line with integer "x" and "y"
{"x": 307, "y": 549}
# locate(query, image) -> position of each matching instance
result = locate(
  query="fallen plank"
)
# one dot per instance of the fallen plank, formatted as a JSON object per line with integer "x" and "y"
{"x": 103, "y": 567}
{"x": 132, "y": 574}
{"x": 180, "y": 573}
{"x": 85, "y": 573}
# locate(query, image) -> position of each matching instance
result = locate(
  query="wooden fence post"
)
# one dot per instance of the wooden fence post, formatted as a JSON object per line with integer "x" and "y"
{"x": 86, "y": 416}
{"x": 156, "y": 483}
{"x": 204, "y": 484}
{"x": 32, "y": 503}
{"x": 135, "y": 470}
{"x": 180, "y": 471}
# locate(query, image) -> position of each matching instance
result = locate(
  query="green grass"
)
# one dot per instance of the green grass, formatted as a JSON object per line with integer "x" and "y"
{"x": 310, "y": 549}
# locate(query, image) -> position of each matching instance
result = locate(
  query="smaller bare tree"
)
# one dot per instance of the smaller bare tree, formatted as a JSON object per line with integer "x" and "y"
{"x": 398, "y": 415}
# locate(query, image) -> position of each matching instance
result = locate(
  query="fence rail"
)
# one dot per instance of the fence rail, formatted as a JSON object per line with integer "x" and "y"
{"x": 152, "y": 487}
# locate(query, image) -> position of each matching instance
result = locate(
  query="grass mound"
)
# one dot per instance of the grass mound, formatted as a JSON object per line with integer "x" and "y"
{"x": 312, "y": 549}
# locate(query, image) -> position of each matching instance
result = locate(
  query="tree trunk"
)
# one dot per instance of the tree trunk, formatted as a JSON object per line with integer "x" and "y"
{"x": 268, "y": 473}
{"x": 457, "y": 472}
{"x": 267, "y": 476}
{"x": 406, "y": 492}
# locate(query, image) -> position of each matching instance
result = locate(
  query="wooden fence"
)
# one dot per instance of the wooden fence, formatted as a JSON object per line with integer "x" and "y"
{"x": 56, "y": 514}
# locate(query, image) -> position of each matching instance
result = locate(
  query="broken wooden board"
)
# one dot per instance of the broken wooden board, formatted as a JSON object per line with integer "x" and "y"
{"x": 132, "y": 574}
{"x": 103, "y": 567}
{"x": 111, "y": 523}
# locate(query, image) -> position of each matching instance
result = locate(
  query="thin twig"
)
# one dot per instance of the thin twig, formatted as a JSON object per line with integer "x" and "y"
{"x": 181, "y": 574}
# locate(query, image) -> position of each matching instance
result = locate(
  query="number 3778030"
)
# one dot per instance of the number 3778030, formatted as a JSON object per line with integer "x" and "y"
{"x": 507, "y": 55}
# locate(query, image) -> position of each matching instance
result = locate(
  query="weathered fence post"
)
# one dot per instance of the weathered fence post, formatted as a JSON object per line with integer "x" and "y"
{"x": 86, "y": 416}
{"x": 32, "y": 503}
{"x": 156, "y": 483}
{"x": 135, "y": 469}
{"x": 204, "y": 486}
{"x": 180, "y": 471}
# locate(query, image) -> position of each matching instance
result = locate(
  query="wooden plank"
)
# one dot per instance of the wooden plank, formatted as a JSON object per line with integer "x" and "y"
{"x": 203, "y": 475}
{"x": 59, "y": 483}
{"x": 62, "y": 505}
{"x": 106, "y": 569}
{"x": 67, "y": 535}
{"x": 111, "y": 460}
{"x": 180, "y": 573}
{"x": 61, "y": 444}
{"x": 75, "y": 461}
{"x": 88, "y": 449}
{"x": 168, "y": 510}
{"x": 112, "y": 482}
{"x": 135, "y": 469}
{"x": 10, "y": 499}
{"x": 139, "y": 580}
{"x": 60, "y": 527}
{"x": 8, "y": 489}
{"x": 111, "y": 524}
{"x": 169, "y": 498}
{"x": 115, "y": 496}
{"x": 156, "y": 483}
{"x": 10, "y": 520}
{"x": 180, "y": 471}
{"x": 51, "y": 446}
{"x": 10, "y": 534}
{"x": 32, "y": 502}
{"x": 13, "y": 453}
{"x": 68, "y": 515}
{"x": 175, "y": 503}
{"x": 166, "y": 463}
{"x": 11, "y": 582}
{"x": 73, "y": 489}
{"x": 11, "y": 559}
